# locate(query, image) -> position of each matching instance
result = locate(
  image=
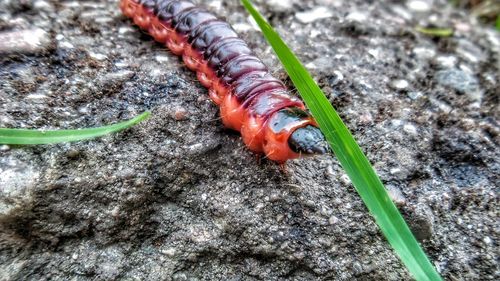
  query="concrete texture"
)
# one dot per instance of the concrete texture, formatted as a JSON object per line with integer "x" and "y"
{"x": 179, "y": 197}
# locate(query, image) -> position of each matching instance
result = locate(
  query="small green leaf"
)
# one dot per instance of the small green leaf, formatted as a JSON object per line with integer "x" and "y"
{"x": 27, "y": 137}
{"x": 498, "y": 23}
{"x": 352, "y": 159}
{"x": 437, "y": 32}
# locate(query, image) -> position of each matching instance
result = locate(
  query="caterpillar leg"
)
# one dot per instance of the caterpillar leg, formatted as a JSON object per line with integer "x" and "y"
{"x": 204, "y": 80}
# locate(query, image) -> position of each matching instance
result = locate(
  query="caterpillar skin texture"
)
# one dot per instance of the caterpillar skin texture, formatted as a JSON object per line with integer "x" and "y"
{"x": 251, "y": 100}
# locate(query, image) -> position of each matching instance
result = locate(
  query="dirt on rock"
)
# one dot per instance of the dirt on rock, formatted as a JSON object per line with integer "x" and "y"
{"x": 178, "y": 197}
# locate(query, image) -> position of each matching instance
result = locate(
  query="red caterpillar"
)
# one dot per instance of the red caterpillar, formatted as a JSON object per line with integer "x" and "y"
{"x": 251, "y": 100}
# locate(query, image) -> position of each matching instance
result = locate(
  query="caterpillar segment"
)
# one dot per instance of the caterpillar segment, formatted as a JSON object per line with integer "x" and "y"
{"x": 251, "y": 100}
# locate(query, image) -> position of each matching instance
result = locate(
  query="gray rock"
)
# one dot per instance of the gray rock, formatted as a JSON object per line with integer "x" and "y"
{"x": 31, "y": 41}
{"x": 399, "y": 84}
{"x": 17, "y": 183}
{"x": 470, "y": 51}
{"x": 446, "y": 62}
{"x": 396, "y": 195}
{"x": 421, "y": 222}
{"x": 419, "y": 5}
{"x": 312, "y": 15}
{"x": 424, "y": 52}
{"x": 457, "y": 79}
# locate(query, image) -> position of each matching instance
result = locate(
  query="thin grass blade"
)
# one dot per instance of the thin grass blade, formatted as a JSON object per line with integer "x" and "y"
{"x": 437, "y": 32}
{"x": 27, "y": 137}
{"x": 352, "y": 159}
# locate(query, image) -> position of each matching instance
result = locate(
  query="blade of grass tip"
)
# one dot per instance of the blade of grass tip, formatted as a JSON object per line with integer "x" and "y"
{"x": 438, "y": 32}
{"x": 28, "y": 137}
{"x": 352, "y": 159}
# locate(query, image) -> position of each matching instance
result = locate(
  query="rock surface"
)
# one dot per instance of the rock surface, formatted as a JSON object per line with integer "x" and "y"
{"x": 180, "y": 198}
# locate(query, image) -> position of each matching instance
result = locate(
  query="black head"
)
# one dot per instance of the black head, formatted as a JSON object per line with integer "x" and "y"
{"x": 308, "y": 140}
{"x": 304, "y": 140}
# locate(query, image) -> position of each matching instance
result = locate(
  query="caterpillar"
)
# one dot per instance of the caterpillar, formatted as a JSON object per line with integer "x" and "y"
{"x": 251, "y": 100}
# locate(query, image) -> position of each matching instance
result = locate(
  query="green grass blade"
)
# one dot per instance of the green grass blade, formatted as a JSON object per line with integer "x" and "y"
{"x": 26, "y": 137}
{"x": 437, "y": 32}
{"x": 352, "y": 159}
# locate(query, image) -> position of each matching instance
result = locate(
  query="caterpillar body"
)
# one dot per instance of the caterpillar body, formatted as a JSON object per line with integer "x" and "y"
{"x": 251, "y": 100}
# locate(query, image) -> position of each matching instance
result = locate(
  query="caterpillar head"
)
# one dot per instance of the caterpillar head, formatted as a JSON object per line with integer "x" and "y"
{"x": 308, "y": 140}
{"x": 290, "y": 133}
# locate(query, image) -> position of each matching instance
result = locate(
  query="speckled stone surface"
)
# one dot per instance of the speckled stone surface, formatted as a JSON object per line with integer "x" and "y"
{"x": 179, "y": 197}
